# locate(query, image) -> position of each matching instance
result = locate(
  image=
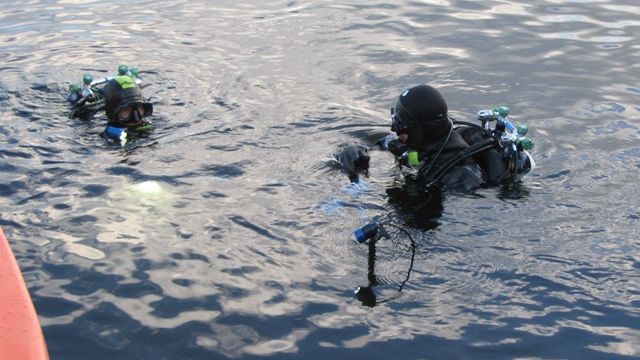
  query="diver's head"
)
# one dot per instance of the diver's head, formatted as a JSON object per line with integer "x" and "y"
{"x": 124, "y": 102}
{"x": 420, "y": 116}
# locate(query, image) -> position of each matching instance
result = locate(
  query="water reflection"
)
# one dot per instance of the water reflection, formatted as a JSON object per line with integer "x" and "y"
{"x": 516, "y": 190}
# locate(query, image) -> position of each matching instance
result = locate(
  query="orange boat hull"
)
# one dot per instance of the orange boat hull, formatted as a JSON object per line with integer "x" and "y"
{"x": 20, "y": 332}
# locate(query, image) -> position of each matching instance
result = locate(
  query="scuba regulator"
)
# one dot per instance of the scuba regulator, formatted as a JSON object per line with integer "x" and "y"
{"x": 504, "y": 130}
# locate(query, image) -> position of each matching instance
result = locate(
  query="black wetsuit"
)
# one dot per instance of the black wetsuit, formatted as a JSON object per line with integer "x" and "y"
{"x": 439, "y": 163}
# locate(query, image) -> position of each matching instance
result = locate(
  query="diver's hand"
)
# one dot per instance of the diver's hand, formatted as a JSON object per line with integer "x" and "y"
{"x": 353, "y": 158}
{"x": 392, "y": 143}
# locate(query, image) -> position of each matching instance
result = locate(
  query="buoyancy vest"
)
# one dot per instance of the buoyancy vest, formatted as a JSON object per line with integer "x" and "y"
{"x": 467, "y": 146}
{"x": 490, "y": 160}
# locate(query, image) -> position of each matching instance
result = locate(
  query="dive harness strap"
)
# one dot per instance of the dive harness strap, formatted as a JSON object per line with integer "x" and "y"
{"x": 465, "y": 123}
{"x": 472, "y": 150}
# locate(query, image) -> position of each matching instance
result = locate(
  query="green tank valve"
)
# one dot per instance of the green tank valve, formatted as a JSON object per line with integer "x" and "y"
{"x": 501, "y": 110}
{"x": 527, "y": 144}
{"x": 412, "y": 158}
{"x": 87, "y": 79}
{"x": 74, "y": 88}
{"x": 522, "y": 129}
{"x": 134, "y": 71}
{"x": 123, "y": 70}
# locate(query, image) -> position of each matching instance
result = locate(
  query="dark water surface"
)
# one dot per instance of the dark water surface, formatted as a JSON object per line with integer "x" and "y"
{"x": 247, "y": 251}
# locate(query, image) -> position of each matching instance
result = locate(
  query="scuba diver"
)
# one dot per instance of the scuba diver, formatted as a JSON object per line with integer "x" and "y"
{"x": 120, "y": 96}
{"x": 125, "y": 106}
{"x": 441, "y": 155}
{"x": 459, "y": 155}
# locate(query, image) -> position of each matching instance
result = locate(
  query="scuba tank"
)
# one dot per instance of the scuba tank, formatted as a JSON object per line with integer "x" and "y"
{"x": 510, "y": 139}
{"x": 506, "y": 138}
{"x": 89, "y": 90}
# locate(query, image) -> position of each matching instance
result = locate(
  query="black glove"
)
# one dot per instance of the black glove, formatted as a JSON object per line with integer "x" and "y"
{"x": 394, "y": 145}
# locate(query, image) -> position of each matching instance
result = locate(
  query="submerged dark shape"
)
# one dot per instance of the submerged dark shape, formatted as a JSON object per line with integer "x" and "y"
{"x": 516, "y": 190}
{"x": 354, "y": 160}
{"x": 417, "y": 205}
{"x": 366, "y": 295}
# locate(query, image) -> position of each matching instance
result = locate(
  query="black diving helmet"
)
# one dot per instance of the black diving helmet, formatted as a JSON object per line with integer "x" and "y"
{"x": 421, "y": 113}
{"x": 124, "y": 103}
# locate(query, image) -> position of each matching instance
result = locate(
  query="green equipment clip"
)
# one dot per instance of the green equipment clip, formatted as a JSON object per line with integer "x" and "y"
{"x": 413, "y": 159}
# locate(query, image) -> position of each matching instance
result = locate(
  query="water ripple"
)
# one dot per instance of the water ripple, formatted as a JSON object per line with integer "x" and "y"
{"x": 246, "y": 247}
